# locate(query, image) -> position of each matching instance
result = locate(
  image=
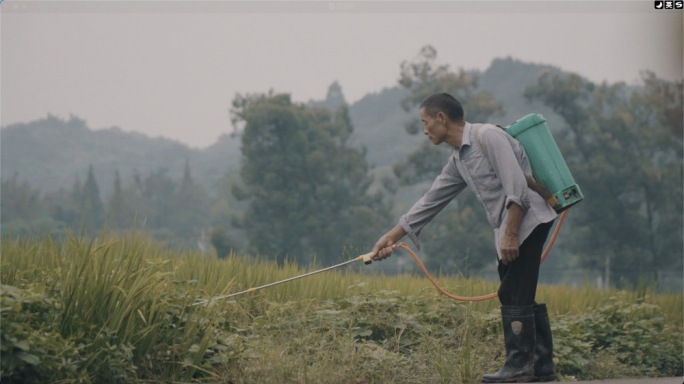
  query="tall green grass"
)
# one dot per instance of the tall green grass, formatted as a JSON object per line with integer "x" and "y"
{"x": 119, "y": 309}
{"x": 115, "y": 299}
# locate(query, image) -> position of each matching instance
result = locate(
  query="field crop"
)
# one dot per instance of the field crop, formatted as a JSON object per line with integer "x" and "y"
{"x": 118, "y": 309}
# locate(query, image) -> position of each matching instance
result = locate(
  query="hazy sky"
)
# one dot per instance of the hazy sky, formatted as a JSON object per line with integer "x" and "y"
{"x": 172, "y": 68}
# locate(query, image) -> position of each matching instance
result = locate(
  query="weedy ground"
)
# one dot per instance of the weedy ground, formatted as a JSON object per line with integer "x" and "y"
{"x": 119, "y": 310}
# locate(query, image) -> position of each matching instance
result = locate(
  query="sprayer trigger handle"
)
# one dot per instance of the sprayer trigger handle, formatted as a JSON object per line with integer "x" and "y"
{"x": 367, "y": 258}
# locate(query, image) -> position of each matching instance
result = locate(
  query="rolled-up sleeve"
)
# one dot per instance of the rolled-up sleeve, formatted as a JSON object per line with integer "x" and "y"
{"x": 446, "y": 186}
{"x": 506, "y": 168}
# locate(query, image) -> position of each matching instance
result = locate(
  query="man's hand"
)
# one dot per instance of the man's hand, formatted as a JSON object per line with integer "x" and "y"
{"x": 384, "y": 247}
{"x": 510, "y": 248}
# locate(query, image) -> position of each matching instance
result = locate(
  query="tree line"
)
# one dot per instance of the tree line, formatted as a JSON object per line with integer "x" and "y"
{"x": 169, "y": 210}
{"x": 305, "y": 193}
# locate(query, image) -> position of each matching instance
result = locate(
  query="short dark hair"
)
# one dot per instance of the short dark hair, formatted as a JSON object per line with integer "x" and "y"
{"x": 443, "y": 102}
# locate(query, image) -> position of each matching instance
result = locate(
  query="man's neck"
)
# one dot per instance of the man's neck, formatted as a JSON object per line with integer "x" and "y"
{"x": 455, "y": 134}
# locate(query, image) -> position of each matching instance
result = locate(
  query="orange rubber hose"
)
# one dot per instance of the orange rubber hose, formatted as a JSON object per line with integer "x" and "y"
{"x": 483, "y": 297}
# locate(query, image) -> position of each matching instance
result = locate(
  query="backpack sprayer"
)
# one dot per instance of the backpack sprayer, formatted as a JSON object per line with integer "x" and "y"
{"x": 550, "y": 171}
{"x": 548, "y": 166}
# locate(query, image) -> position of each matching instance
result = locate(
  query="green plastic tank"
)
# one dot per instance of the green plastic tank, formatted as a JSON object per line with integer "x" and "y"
{"x": 547, "y": 162}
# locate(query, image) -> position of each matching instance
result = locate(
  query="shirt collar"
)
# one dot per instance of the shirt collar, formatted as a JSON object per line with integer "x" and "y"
{"x": 465, "y": 140}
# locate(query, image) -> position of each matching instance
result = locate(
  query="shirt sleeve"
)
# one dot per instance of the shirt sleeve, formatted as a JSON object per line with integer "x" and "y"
{"x": 446, "y": 186}
{"x": 506, "y": 167}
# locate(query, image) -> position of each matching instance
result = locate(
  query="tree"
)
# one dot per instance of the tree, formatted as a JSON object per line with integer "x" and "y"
{"x": 24, "y": 212}
{"x": 118, "y": 215}
{"x": 459, "y": 239}
{"x": 91, "y": 207}
{"x": 158, "y": 190}
{"x": 307, "y": 188}
{"x": 222, "y": 242}
{"x": 624, "y": 146}
{"x": 225, "y": 211}
{"x": 189, "y": 213}
{"x": 63, "y": 207}
{"x": 20, "y": 202}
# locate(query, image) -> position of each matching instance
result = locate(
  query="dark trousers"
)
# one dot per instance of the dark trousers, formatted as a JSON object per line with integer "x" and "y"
{"x": 519, "y": 278}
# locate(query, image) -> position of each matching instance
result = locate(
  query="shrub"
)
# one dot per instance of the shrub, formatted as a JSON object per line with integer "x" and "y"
{"x": 31, "y": 347}
{"x": 618, "y": 333}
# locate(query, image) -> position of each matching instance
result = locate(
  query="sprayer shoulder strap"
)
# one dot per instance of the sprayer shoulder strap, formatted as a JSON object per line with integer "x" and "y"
{"x": 478, "y": 139}
{"x": 531, "y": 182}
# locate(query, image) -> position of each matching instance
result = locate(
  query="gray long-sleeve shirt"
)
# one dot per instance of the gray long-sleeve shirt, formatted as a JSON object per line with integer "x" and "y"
{"x": 497, "y": 178}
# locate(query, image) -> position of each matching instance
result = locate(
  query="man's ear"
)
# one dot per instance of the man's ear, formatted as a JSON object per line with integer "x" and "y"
{"x": 442, "y": 117}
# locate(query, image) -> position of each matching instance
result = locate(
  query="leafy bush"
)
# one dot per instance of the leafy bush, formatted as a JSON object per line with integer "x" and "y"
{"x": 31, "y": 347}
{"x": 618, "y": 333}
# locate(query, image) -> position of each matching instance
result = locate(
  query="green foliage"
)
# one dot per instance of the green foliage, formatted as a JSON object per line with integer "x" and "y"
{"x": 118, "y": 310}
{"x": 222, "y": 242}
{"x": 308, "y": 188}
{"x": 20, "y": 202}
{"x": 123, "y": 187}
{"x": 423, "y": 77}
{"x": 31, "y": 347}
{"x": 376, "y": 337}
{"x": 90, "y": 204}
{"x": 633, "y": 335}
{"x": 175, "y": 212}
{"x": 118, "y": 215}
{"x": 103, "y": 312}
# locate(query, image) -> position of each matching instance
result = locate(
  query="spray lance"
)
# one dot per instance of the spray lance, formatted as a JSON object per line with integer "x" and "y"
{"x": 550, "y": 171}
{"x": 366, "y": 258}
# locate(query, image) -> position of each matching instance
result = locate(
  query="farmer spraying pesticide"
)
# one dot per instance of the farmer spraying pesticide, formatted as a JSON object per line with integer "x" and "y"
{"x": 521, "y": 196}
{"x": 496, "y": 167}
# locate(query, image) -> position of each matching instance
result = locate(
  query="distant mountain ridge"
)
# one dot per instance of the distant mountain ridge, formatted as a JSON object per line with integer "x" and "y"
{"x": 51, "y": 153}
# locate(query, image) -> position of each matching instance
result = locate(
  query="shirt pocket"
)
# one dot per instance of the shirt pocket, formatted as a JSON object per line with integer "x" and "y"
{"x": 480, "y": 170}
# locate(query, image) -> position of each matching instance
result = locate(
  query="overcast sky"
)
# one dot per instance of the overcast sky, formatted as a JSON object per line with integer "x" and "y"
{"x": 172, "y": 68}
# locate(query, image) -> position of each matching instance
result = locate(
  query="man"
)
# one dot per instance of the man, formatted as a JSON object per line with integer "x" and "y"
{"x": 495, "y": 166}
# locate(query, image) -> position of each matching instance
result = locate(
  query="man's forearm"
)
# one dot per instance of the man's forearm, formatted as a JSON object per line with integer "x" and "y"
{"x": 510, "y": 244}
{"x": 515, "y": 216}
{"x": 392, "y": 236}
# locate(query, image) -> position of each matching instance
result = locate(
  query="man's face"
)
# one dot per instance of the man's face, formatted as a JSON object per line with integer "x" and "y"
{"x": 433, "y": 127}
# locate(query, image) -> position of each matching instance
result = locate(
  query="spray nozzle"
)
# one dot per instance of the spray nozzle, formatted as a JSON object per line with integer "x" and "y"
{"x": 367, "y": 258}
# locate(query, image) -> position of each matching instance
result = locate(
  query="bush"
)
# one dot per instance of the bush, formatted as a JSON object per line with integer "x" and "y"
{"x": 31, "y": 347}
{"x": 633, "y": 336}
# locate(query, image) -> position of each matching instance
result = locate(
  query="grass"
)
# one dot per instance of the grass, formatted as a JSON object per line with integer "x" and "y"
{"x": 118, "y": 309}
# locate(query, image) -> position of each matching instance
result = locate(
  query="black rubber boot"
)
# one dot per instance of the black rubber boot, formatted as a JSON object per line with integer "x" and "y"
{"x": 543, "y": 353}
{"x": 519, "y": 336}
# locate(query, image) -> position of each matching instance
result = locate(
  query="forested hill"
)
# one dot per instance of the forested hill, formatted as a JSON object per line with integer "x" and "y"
{"x": 51, "y": 153}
